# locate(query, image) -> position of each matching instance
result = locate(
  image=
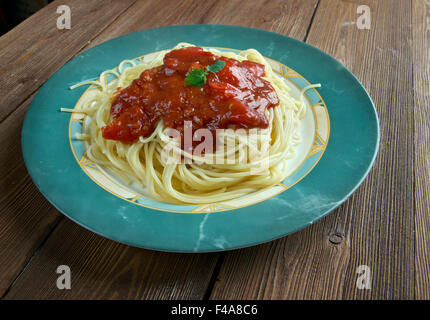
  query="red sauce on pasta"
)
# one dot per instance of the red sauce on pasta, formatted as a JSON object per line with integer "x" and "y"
{"x": 236, "y": 96}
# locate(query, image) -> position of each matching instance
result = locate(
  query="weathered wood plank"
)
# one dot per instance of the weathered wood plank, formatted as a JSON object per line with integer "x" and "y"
{"x": 421, "y": 58}
{"x": 291, "y": 18}
{"x": 29, "y": 54}
{"x": 26, "y": 216}
{"x": 35, "y": 49}
{"x": 164, "y": 276}
{"x": 375, "y": 227}
{"x": 104, "y": 269}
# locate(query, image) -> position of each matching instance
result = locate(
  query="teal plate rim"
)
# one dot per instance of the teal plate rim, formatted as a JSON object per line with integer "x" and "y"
{"x": 348, "y": 158}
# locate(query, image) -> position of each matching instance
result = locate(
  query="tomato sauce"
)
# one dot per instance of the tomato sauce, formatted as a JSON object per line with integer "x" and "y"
{"x": 235, "y": 97}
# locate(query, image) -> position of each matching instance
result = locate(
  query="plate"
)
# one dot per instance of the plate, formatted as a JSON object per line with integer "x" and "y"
{"x": 340, "y": 130}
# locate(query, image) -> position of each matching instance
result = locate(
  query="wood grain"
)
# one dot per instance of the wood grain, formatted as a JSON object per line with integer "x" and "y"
{"x": 29, "y": 54}
{"x": 375, "y": 227}
{"x": 35, "y": 49}
{"x": 384, "y": 225}
{"x": 161, "y": 284}
{"x": 421, "y": 58}
{"x": 104, "y": 269}
{"x": 290, "y": 18}
{"x": 26, "y": 216}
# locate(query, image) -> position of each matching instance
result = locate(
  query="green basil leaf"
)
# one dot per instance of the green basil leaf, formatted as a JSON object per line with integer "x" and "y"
{"x": 196, "y": 77}
{"x": 216, "y": 66}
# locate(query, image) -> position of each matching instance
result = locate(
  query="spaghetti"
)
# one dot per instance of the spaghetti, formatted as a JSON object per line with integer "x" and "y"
{"x": 252, "y": 154}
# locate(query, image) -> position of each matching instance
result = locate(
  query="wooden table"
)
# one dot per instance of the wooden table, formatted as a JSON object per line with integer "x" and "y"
{"x": 384, "y": 225}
